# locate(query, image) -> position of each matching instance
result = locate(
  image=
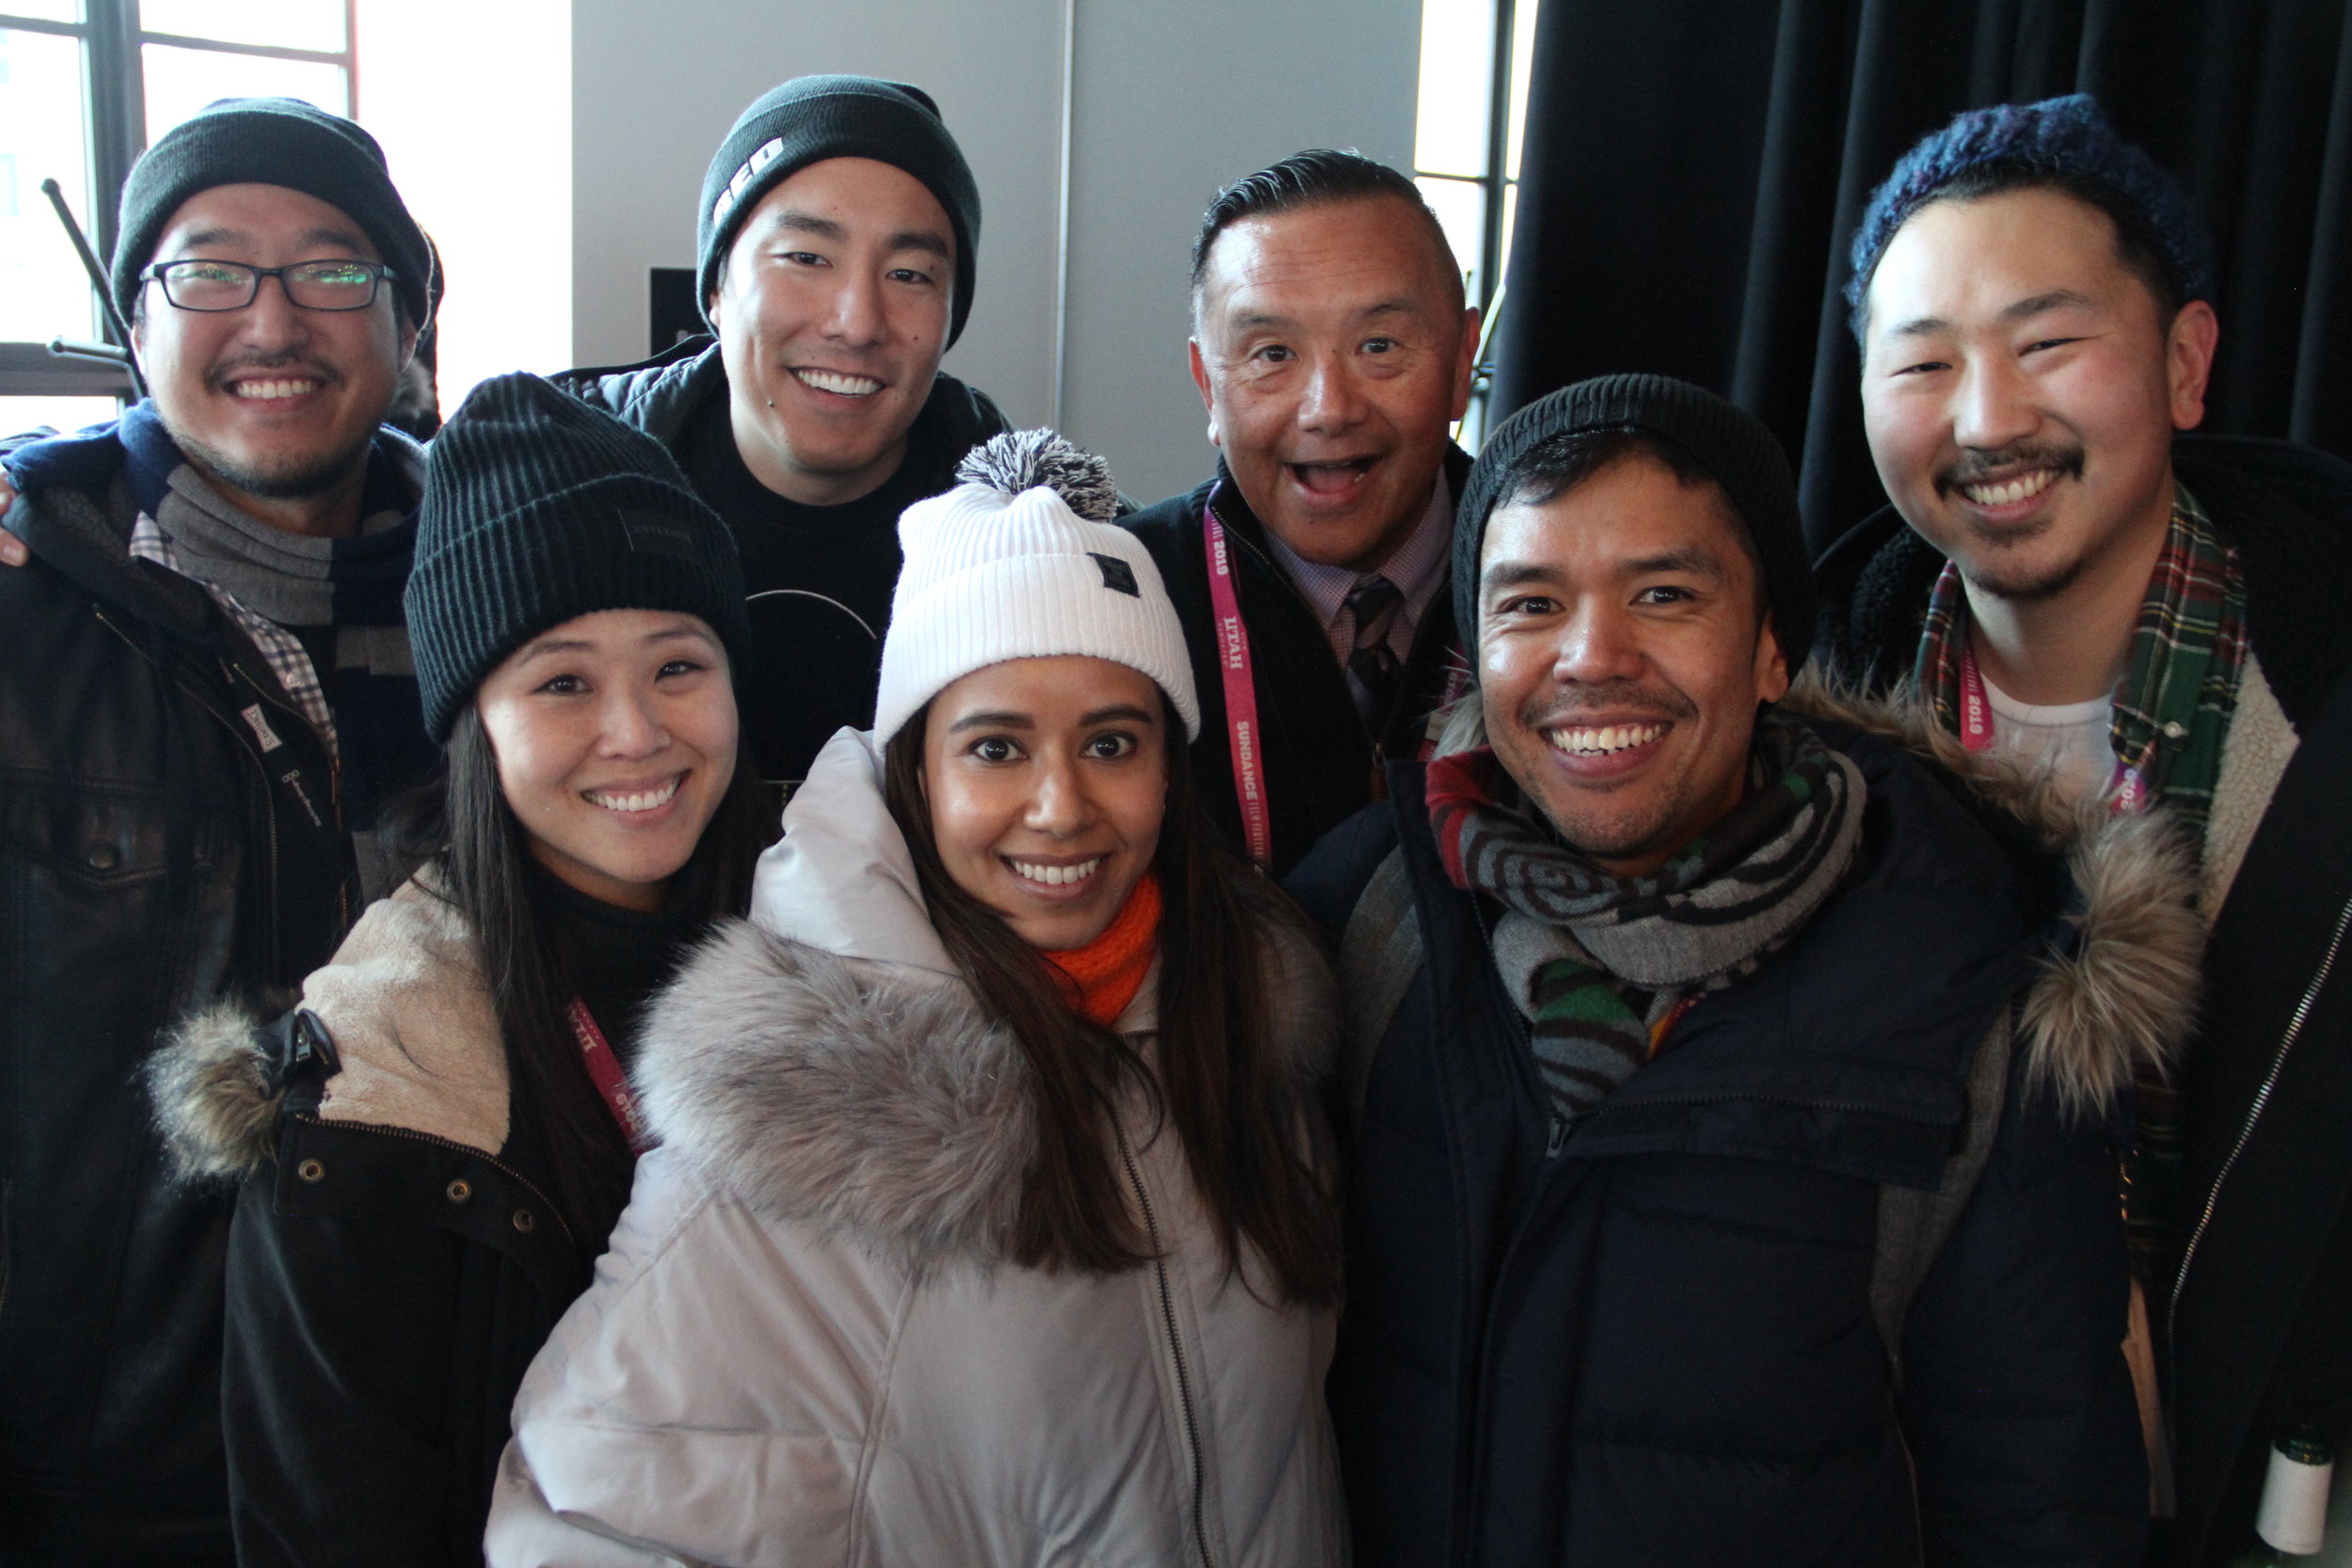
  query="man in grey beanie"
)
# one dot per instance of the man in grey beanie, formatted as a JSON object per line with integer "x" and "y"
{"x": 211, "y": 700}
{"x": 836, "y": 235}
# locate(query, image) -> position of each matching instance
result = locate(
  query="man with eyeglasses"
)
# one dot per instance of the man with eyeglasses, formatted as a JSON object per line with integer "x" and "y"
{"x": 205, "y": 701}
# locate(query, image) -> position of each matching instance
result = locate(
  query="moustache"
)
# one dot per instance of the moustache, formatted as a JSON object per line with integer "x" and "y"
{"x": 1977, "y": 466}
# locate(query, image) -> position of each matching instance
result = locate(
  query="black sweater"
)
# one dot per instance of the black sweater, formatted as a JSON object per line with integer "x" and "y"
{"x": 819, "y": 577}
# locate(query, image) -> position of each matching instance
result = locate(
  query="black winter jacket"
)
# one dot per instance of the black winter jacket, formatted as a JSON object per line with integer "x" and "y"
{"x": 1646, "y": 1337}
{"x": 1322, "y": 766}
{"x": 819, "y": 577}
{"x": 2260, "y": 1340}
{"x": 153, "y": 856}
{"x": 397, "y": 1258}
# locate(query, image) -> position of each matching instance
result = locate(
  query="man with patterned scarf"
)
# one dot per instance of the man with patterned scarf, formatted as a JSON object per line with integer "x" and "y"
{"x": 2162, "y": 616}
{"x": 1739, "y": 1081}
{"x": 205, "y": 704}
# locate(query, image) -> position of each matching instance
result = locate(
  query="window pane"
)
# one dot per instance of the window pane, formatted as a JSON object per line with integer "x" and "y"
{"x": 281, "y": 23}
{"x": 1522, "y": 65}
{"x": 182, "y": 81}
{"x": 20, "y": 415}
{"x": 43, "y": 291}
{"x": 1457, "y": 43}
{"x": 44, "y": 11}
{"x": 1461, "y": 209}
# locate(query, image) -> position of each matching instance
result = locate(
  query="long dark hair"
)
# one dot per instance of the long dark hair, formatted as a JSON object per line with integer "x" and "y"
{"x": 485, "y": 856}
{"x": 1248, "y": 1122}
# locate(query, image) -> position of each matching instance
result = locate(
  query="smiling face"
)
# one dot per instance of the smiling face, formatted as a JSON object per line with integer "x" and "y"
{"x": 272, "y": 401}
{"x": 1621, "y": 659}
{"x": 1332, "y": 349}
{"x": 2021, "y": 391}
{"x": 616, "y": 737}
{"x": 1046, "y": 779}
{"x": 833, "y": 311}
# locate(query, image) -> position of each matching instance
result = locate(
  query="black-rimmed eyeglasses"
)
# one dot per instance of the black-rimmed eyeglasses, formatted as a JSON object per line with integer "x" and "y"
{"x": 196, "y": 284}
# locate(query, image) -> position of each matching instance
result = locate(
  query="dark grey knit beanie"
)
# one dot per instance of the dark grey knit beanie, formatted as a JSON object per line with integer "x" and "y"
{"x": 537, "y": 509}
{"x": 270, "y": 141}
{"x": 1729, "y": 442}
{"x": 811, "y": 118}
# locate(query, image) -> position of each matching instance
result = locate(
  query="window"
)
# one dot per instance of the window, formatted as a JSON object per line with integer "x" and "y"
{"x": 1475, "y": 57}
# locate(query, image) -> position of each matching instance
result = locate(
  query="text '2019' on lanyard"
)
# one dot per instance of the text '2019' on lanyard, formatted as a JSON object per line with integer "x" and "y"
{"x": 604, "y": 1069}
{"x": 1241, "y": 690}
{"x": 2127, "y": 792}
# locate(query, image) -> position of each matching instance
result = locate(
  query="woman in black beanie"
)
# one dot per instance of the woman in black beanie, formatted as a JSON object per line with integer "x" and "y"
{"x": 434, "y": 1145}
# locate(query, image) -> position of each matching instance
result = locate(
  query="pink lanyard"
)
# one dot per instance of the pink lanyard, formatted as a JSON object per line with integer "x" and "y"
{"x": 604, "y": 1069}
{"x": 2127, "y": 792}
{"x": 1241, "y": 690}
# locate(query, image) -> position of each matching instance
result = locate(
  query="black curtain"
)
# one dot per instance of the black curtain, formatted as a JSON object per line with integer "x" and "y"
{"x": 1693, "y": 170}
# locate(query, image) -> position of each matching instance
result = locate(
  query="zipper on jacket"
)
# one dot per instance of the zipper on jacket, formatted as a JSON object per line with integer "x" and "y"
{"x": 1176, "y": 1348}
{"x": 492, "y": 1161}
{"x": 2253, "y": 1114}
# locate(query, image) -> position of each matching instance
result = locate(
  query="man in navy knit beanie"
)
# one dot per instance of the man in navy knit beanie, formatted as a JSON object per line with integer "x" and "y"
{"x": 835, "y": 238}
{"x": 2156, "y": 617}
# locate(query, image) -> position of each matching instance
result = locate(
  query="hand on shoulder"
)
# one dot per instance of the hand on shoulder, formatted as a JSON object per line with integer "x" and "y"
{"x": 12, "y": 550}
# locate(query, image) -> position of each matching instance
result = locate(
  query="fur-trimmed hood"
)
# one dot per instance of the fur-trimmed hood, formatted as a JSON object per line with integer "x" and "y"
{"x": 2127, "y": 991}
{"x": 825, "y": 1064}
{"x": 410, "y": 1022}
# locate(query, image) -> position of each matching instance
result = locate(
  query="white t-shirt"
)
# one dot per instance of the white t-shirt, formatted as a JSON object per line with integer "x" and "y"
{"x": 2073, "y": 737}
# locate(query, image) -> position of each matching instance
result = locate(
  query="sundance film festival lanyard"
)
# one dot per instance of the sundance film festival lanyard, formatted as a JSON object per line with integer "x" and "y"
{"x": 605, "y": 1069}
{"x": 1241, "y": 690}
{"x": 2127, "y": 792}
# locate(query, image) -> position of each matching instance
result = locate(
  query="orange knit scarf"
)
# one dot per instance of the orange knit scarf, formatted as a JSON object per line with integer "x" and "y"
{"x": 1104, "y": 975}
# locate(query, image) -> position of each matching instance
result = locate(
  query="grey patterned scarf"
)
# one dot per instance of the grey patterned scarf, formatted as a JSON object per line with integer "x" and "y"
{"x": 1599, "y": 962}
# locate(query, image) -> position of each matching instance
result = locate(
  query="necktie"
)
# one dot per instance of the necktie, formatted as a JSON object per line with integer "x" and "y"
{"x": 1373, "y": 604}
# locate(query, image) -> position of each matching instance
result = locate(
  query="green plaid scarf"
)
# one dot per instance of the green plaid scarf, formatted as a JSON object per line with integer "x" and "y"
{"x": 2172, "y": 714}
{"x": 2172, "y": 707}
{"x": 1599, "y": 964}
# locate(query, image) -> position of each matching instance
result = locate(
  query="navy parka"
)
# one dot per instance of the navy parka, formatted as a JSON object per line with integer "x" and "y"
{"x": 1645, "y": 1337}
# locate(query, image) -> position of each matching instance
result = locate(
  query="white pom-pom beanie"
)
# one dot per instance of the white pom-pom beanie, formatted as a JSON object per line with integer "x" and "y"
{"x": 1001, "y": 567}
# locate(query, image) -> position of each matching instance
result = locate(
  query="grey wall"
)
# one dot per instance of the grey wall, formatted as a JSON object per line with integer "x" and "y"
{"x": 1171, "y": 100}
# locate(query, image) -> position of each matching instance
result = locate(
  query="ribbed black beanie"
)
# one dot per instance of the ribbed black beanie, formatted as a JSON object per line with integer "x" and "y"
{"x": 270, "y": 141}
{"x": 811, "y": 118}
{"x": 1728, "y": 441}
{"x": 537, "y": 509}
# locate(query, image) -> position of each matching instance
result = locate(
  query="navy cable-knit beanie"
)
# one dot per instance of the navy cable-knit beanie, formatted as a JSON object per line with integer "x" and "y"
{"x": 539, "y": 509}
{"x": 1730, "y": 443}
{"x": 2069, "y": 138}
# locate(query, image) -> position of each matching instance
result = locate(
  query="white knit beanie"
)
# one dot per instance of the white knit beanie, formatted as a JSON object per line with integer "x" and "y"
{"x": 1021, "y": 561}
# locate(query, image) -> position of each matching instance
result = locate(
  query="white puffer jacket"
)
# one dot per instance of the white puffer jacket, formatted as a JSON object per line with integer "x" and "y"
{"x": 804, "y": 1349}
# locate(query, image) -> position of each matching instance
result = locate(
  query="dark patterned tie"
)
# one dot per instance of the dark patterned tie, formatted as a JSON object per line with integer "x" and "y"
{"x": 1373, "y": 604}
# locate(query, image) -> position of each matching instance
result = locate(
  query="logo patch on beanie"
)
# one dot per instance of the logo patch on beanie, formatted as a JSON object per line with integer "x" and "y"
{"x": 651, "y": 534}
{"x": 1118, "y": 576}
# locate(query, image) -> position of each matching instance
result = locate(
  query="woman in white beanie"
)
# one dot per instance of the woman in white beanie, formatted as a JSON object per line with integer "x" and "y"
{"x": 991, "y": 1223}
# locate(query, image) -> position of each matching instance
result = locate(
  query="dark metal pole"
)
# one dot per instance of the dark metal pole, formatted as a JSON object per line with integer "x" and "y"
{"x": 97, "y": 282}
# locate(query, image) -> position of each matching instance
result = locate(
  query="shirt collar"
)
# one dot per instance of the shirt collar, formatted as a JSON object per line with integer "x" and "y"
{"x": 1416, "y": 568}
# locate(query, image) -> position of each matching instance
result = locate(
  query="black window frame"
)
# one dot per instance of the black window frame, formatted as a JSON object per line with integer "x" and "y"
{"x": 114, "y": 131}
